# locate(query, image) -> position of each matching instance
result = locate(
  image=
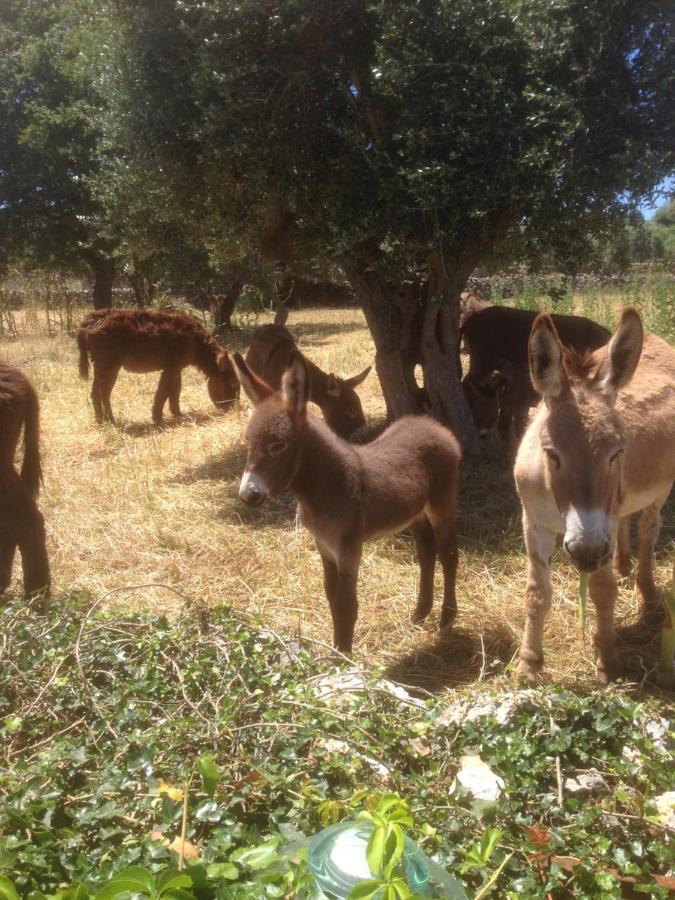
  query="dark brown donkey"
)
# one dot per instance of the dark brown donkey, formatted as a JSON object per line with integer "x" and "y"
{"x": 273, "y": 347}
{"x": 143, "y": 340}
{"x": 21, "y": 522}
{"x": 407, "y": 477}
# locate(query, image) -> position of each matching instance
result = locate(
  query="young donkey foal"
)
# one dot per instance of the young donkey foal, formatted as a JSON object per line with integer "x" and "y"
{"x": 21, "y": 523}
{"x": 408, "y": 477}
{"x": 601, "y": 446}
{"x": 144, "y": 340}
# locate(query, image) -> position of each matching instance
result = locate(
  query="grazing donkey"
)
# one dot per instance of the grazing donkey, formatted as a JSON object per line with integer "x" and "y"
{"x": 407, "y": 477}
{"x": 601, "y": 446}
{"x": 273, "y": 347}
{"x": 21, "y": 522}
{"x": 143, "y": 340}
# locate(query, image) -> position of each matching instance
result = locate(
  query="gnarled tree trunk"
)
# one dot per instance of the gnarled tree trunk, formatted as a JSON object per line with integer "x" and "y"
{"x": 103, "y": 268}
{"x": 417, "y": 322}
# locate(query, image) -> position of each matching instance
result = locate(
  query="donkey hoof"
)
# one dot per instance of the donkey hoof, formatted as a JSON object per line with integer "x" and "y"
{"x": 607, "y": 670}
{"x": 447, "y": 621}
{"x": 529, "y": 673}
{"x": 419, "y": 614}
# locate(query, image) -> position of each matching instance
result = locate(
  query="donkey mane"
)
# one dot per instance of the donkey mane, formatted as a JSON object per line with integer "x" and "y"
{"x": 581, "y": 365}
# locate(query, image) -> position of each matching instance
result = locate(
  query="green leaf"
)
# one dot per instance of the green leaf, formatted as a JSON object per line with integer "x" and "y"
{"x": 375, "y": 849}
{"x": 134, "y": 880}
{"x": 216, "y": 871}
{"x": 393, "y": 849}
{"x": 7, "y": 890}
{"x": 489, "y": 841}
{"x": 258, "y": 857}
{"x": 365, "y": 890}
{"x": 171, "y": 879}
{"x": 209, "y": 772}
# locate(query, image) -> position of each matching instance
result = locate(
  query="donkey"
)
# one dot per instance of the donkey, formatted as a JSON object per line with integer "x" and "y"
{"x": 21, "y": 522}
{"x": 601, "y": 446}
{"x": 407, "y": 477}
{"x": 273, "y": 347}
{"x": 142, "y": 340}
{"x": 498, "y": 386}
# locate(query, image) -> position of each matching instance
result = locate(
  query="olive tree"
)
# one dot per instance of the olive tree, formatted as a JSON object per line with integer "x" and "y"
{"x": 405, "y": 141}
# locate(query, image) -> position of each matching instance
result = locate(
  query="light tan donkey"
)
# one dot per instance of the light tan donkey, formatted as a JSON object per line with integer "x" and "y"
{"x": 601, "y": 446}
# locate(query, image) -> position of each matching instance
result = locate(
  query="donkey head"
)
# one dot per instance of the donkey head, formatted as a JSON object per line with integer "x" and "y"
{"x": 341, "y": 406}
{"x": 223, "y": 388}
{"x": 582, "y": 437}
{"x": 484, "y": 396}
{"x": 274, "y": 430}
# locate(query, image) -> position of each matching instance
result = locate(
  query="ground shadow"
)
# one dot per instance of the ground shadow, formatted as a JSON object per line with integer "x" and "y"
{"x": 318, "y": 333}
{"x": 143, "y": 429}
{"x": 489, "y": 508}
{"x": 454, "y": 658}
{"x": 226, "y": 468}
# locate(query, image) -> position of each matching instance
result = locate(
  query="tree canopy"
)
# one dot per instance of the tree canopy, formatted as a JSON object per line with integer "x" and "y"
{"x": 404, "y": 141}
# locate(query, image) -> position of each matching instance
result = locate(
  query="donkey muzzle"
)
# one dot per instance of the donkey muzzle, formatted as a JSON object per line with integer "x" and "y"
{"x": 251, "y": 490}
{"x": 587, "y": 541}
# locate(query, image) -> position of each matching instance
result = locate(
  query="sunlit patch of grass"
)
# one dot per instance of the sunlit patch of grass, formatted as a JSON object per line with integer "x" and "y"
{"x": 138, "y": 505}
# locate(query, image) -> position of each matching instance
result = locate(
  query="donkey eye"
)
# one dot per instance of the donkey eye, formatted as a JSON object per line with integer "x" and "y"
{"x": 614, "y": 458}
{"x": 276, "y": 447}
{"x": 553, "y": 456}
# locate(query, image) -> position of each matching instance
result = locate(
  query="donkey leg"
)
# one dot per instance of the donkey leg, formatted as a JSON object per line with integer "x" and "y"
{"x": 539, "y": 544}
{"x": 649, "y": 525}
{"x": 104, "y": 380}
{"x": 602, "y": 588}
{"x": 162, "y": 395}
{"x": 108, "y": 385}
{"x": 96, "y": 397}
{"x": 27, "y": 529}
{"x": 426, "y": 554}
{"x": 622, "y": 549}
{"x": 174, "y": 394}
{"x": 345, "y": 606}
{"x": 7, "y": 551}
{"x": 446, "y": 546}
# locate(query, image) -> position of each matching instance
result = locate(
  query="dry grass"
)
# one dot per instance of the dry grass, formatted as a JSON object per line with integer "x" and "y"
{"x": 136, "y": 505}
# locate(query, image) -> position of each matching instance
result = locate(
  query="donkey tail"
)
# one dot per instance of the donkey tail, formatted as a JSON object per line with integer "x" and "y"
{"x": 281, "y": 317}
{"x": 31, "y": 470}
{"x": 84, "y": 356}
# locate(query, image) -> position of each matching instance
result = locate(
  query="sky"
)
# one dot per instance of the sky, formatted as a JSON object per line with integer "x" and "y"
{"x": 647, "y": 209}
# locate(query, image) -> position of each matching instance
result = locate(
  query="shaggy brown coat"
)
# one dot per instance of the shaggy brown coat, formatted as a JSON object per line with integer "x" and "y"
{"x": 142, "y": 340}
{"x": 269, "y": 355}
{"x": 21, "y": 522}
{"x": 406, "y": 478}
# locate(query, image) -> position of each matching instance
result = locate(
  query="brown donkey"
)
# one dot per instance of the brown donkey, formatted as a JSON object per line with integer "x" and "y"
{"x": 601, "y": 446}
{"x": 407, "y": 477}
{"x": 21, "y": 522}
{"x": 142, "y": 340}
{"x": 273, "y": 347}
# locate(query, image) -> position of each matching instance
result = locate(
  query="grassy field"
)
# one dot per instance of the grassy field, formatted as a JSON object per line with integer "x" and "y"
{"x": 137, "y": 515}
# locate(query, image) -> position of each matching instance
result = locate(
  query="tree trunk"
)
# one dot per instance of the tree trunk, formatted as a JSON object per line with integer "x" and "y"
{"x": 417, "y": 322}
{"x": 390, "y": 313}
{"x": 104, "y": 274}
{"x": 222, "y": 305}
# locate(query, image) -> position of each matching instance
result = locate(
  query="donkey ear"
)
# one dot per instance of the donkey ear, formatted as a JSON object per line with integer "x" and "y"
{"x": 546, "y": 358}
{"x": 295, "y": 388}
{"x": 255, "y": 388}
{"x": 333, "y": 386}
{"x": 356, "y": 380}
{"x": 224, "y": 362}
{"x": 623, "y": 353}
